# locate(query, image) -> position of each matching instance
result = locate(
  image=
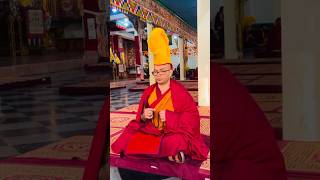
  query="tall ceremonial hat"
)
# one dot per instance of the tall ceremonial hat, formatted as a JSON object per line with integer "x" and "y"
{"x": 158, "y": 43}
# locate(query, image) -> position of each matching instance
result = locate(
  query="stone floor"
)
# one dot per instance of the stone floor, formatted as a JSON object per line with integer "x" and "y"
{"x": 32, "y": 117}
{"x": 45, "y": 57}
{"x": 120, "y": 98}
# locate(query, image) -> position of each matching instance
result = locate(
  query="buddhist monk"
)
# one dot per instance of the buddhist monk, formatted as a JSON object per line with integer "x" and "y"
{"x": 167, "y": 123}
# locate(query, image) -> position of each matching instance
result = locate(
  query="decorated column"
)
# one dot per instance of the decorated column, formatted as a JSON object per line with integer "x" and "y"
{"x": 102, "y": 31}
{"x": 185, "y": 56}
{"x": 203, "y": 22}
{"x": 181, "y": 58}
{"x": 115, "y": 43}
{"x": 138, "y": 54}
{"x": 92, "y": 21}
{"x": 120, "y": 49}
{"x": 150, "y": 55}
{"x": 139, "y": 49}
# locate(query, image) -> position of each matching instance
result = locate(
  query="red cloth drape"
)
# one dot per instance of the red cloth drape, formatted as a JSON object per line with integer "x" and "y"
{"x": 244, "y": 146}
{"x": 99, "y": 143}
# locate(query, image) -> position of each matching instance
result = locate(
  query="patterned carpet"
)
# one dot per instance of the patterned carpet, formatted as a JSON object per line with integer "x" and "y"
{"x": 61, "y": 160}
{"x": 302, "y": 159}
{"x": 76, "y": 147}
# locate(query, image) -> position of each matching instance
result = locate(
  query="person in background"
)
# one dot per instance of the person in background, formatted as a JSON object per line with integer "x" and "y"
{"x": 114, "y": 70}
{"x": 219, "y": 26}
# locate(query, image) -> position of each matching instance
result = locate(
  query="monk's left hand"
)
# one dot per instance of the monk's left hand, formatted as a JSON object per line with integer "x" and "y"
{"x": 162, "y": 115}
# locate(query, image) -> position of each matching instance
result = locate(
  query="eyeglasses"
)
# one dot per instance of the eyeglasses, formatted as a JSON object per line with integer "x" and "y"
{"x": 161, "y": 72}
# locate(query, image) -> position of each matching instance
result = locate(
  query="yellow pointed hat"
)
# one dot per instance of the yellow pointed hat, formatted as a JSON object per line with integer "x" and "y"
{"x": 158, "y": 43}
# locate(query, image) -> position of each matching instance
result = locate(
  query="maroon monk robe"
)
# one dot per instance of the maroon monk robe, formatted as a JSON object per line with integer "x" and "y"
{"x": 244, "y": 146}
{"x": 182, "y": 132}
{"x": 99, "y": 144}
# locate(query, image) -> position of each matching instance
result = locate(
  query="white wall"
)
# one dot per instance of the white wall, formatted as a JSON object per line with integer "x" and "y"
{"x": 265, "y": 11}
{"x": 301, "y": 69}
{"x": 203, "y": 22}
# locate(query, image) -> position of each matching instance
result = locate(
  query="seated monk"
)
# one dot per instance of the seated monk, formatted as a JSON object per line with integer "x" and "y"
{"x": 167, "y": 123}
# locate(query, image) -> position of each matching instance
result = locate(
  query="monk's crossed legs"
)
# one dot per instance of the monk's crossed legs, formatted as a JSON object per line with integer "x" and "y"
{"x": 173, "y": 146}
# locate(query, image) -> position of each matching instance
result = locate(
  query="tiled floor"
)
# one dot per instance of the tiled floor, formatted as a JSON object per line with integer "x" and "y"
{"x": 32, "y": 117}
{"x": 120, "y": 98}
{"x": 46, "y": 56}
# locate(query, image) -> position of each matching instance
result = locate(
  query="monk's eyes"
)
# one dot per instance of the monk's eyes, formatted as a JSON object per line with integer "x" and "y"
{"x": 164, "y": 70}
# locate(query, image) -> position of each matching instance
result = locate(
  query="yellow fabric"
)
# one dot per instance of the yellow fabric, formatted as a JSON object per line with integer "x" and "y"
{"x": 111, "y": 56}
{"x": 164, "y": 104}
{"x": 158, "y": 43}
{"x": 187, "y": 67}
{"x": 25, "y": 3}
{"x": 117, "y": 60}
{"x": 248, "y": 21}
{"x": 122, "y": 56}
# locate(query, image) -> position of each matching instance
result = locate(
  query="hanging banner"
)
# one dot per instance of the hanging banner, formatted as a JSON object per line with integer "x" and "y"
{"x": 35, "y": 22}
{"x": 151, "y": 11}
{"x": 91, "y": 28}
{"x": 191, "y": 51}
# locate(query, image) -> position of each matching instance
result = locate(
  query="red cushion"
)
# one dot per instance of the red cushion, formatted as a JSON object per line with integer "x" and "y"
{"x": 141, "y": 143}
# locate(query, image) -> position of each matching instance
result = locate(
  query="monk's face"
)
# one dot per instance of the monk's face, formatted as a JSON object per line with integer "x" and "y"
{"x": 162, "y": 73}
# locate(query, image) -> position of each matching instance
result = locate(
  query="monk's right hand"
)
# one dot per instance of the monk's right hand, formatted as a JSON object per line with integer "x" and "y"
{"x": 148, "y": 113}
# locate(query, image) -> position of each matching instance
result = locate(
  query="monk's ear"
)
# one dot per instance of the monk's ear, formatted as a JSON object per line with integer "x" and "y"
{"x": 171, "y": 72}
